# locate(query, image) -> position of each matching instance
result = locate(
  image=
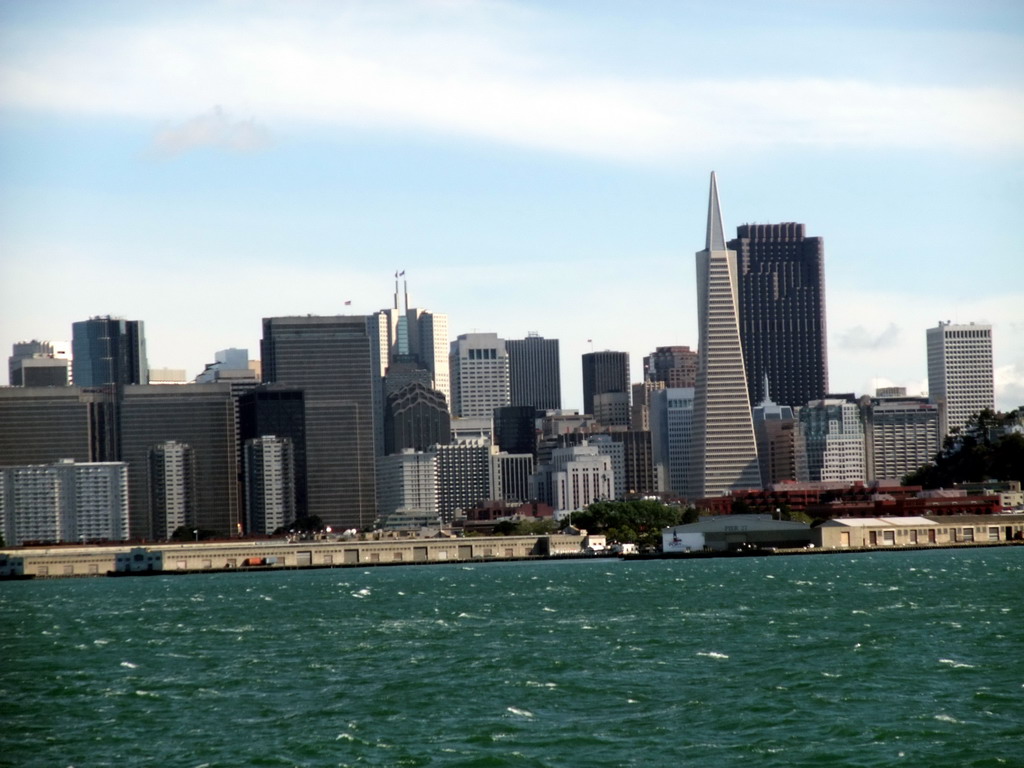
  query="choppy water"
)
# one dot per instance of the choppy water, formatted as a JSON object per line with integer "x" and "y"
{"x": 883, "y": 659}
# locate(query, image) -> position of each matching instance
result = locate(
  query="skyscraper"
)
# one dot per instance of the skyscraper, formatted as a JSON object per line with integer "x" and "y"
{"x": 39, "y": 364}
{"x": 675, "y": 366}
{"x": 269, "y": 467}
{"x": 960, "y": 371}
{"x": 479, "y": 375}
{"x": 334, "y": 361}
{"x": 534, "y": 372}
{"x": 108, "y": 350}
{"x": 724, "y": 452}
{"x": 605, "y": 373}
{"x": 411, "y": 335}
{"x": 781, "y": 282}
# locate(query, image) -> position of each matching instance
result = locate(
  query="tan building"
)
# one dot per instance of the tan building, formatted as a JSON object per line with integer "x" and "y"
{"x": 861, "y": 532}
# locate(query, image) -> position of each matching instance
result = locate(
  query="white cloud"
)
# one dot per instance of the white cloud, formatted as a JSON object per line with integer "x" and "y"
{"x": 472, "y": 70}
{"x": 212, "y": 129}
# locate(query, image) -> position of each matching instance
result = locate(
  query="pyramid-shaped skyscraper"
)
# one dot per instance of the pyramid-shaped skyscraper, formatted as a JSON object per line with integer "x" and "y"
{"x": 724, "y": 454}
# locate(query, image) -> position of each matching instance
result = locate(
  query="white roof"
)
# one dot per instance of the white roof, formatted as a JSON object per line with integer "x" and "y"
{"x": 878, "y": 522}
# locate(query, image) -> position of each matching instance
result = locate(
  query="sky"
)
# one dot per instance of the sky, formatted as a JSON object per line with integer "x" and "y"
{"x": 531, "y": 166}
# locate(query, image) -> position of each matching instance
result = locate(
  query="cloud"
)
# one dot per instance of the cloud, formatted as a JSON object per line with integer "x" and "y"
{"x": 212, "y": 129}
{"x": 860, "y": 338}
{"x": 1009, "y": 386}
{"x": 472, "y": 70}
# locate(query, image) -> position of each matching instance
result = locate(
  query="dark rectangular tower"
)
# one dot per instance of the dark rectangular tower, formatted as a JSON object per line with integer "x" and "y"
{"x": 781, "y": 285}
{"x": 108, "y": 350}
{"x": 333, "y": 360}
{"x": 603, "y": 373}
{"x": 534, "y": 373}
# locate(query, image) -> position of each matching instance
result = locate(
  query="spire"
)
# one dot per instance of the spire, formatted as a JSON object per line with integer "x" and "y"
{"x": 716, "y": 232}
{"x": 767, "y": 397}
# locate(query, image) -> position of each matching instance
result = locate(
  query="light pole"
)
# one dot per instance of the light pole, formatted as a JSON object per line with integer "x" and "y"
{"x": 196, "y": 532}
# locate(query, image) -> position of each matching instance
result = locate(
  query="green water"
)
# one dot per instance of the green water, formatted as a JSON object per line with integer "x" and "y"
{"x": 882, "y": 659}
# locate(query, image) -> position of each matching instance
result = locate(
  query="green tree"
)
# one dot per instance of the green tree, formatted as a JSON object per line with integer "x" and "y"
{"x": 985, "y": 449}
{"x": 637, "y": 521}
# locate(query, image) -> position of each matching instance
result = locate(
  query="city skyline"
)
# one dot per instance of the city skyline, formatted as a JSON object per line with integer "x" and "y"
{"x": 530, "y": 169}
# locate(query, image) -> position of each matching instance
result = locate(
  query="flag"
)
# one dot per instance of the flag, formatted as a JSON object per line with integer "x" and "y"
{"x": 348, "y": 303}
{"x": 402, "y": 272}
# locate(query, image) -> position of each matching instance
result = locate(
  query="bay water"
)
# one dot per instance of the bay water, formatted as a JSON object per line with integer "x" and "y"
{"x": 879, "y": 659}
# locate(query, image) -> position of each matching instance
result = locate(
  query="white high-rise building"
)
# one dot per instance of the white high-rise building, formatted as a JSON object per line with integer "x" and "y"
{"x": 64, "y": 502}
{"x": 510, "y": 476}
{"x": 830, "y": 442}
{"x": 479, "y": 374}
{"x": 269, "y": 483}
{"x": 172, "y": 487}
{"x": 724, "y": 450}
{"x": 463, "y": 476}
{"x": 407, "y": 486}
{"x": 960, "y": 371}
{"x": 576, "y": 477}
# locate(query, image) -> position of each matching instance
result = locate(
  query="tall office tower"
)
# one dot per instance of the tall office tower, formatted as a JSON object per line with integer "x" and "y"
{"x": 408, "y": 487}
{"x": 415, "y": 417}
{"x": 960, "y": 371}
{"x": 463, "y": 476}
{"x": 39, "y": 364}
{"x": 775, "y": 429}
{"x": 604, "y": 372}
{"x": 40, "y": 425}
{"x": 830, "y": 442}
{"x": 414, "y": 335}
{"x": 269, "y": 467}
{"x": 64, "y": 501}
{"x": 479, "y": 374}
{"x": 515, "y": 429}
{"x": 510, "y": 477}
{"x": 724, "y": 451}
{"x": 201, "y": 416}
{"x": 675, "y": 366}
{"x": 781, "y": 281}
{"x": 229, "y": 366}
{"x": 333, "y": 359}
{"x": 534, "y": 372}
{"x": 901, "y": 435}
{"x": 672, "y": 438}
{"x": 612, "y": 409}
{"x": 108, "y": 350}
{"x": 273, "y": 409}
{"x": 172, "y": 487}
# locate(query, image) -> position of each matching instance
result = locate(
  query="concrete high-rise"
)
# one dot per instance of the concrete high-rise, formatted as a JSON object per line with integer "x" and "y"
{"x": 672, "y": 438}
{"x": 901, "y": 435}
{"x": 479, "y": 375}
{"x": 335, "y": 361}
{"x": 781, "y": 289}
{"x": 724, "y": 451}
{"x": 775, "y": 429}
{"x": 534, "y": 372}
{"x": 269, "y": 466}
{"x": 606, "y": 372}
{"x": 675, "y": 366}
{"x": 64, "y": 501}
{"x": 280, "y": 411}
{"x": 415, "y": 417}
{"x": 172, "y": 487}
{"x": 960, "y": 371}
{"x": 108, "y": 350}
{"x": 830, "y": 442}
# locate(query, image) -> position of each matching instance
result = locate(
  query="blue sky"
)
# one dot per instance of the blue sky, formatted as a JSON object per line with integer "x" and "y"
{"x": 531, "y": 166}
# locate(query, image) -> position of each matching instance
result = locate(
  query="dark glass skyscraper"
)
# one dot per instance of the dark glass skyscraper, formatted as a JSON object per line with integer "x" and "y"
{"x": 535, "y": 375}
{"x": 108, "y": 350}
{"x": 781, "y": 285}
{"x": 335, "y": 363}
{"x": 603, "y": 373}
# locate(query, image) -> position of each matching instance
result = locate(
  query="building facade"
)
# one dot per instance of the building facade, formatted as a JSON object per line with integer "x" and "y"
{"x": 172, "y": 488}
{"x": 901, "y": 435}
{"x": 108, "y": 350}
{"x": 960, "y": 373}
{"x": 409, "y": 486}
{"x": 535, "y": 377}
{"x": 672, "y": 438}
{"x": 65, "y": 501}
{"x": 775, "y": 430}
{"x": 463, "y": 476}
{"x": 269, "y": 467}
{"x": 415, "y": 417}
{"x": 830, "y": 442}
{"x": 675, "y": 366}
{"x": 781, "y": 289}
{"x": 335, "y": 361}
{"x": 479, "y": 368}
{"x": 605, "y": 372}
{"x": 724, "y": 454}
